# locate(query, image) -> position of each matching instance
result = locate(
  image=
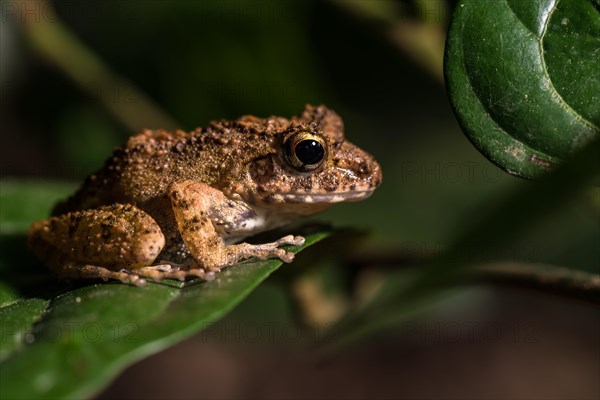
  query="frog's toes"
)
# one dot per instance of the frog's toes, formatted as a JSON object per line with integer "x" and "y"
{"x": 285, "y": 256}
{"x": 137, "y": 281}
{"x": 173, "y": 271}
{"x": 201, "y": 273}
{"x": 126, "y": 276}
{"x": 291, "y": 239}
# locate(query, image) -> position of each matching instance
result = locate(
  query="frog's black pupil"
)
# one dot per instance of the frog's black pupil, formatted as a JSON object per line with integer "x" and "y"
{"x": 309, "y": 151}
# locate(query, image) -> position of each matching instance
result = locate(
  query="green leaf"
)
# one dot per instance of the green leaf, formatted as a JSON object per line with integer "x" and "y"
{"x": 524, "y": 79}
{"x": 26, "y": 202}
{"x": 85, "y": 336}
{"x": 16, "y": 321}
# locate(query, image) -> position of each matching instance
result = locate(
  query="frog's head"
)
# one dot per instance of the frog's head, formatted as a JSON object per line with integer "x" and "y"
{"x": 311, "y": 166}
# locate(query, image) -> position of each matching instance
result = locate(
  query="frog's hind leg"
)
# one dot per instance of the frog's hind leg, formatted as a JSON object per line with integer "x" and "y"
{"x": 101, "y": 243}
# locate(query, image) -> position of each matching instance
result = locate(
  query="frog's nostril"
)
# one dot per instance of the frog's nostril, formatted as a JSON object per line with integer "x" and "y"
{"x": 364, "y": 169}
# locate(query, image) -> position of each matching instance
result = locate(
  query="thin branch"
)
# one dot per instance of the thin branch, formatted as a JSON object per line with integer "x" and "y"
{"x": 558, "y": 280}
{"x": 547, "y": 278}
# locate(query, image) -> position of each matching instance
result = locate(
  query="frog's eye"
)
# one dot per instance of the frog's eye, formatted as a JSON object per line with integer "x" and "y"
{"x": 305, "y": 151}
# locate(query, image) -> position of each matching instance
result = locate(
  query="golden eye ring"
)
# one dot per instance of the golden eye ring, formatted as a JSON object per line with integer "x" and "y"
{"x": 305, "y": 151}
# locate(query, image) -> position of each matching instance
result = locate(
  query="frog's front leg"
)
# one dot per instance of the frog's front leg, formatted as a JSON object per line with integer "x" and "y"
{"x": 198, "y": 208}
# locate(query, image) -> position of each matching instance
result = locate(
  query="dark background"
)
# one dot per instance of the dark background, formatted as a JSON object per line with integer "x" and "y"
{"x": 179, "y": 64}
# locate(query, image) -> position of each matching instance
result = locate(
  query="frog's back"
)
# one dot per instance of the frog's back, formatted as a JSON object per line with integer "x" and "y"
{"x": 140, "y": 172}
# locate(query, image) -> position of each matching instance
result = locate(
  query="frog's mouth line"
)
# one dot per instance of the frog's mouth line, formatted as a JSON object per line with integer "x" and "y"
{"x": 325, "y": 197}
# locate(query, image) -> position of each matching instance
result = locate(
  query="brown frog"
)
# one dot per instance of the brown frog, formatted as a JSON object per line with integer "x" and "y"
{"x": 177, "y": 204}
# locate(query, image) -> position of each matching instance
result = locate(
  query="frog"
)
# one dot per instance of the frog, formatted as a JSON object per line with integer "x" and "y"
{"x": 176, "y": 204}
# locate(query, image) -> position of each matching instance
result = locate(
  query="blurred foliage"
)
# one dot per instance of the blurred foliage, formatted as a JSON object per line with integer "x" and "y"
{"x": 400, "y": 294}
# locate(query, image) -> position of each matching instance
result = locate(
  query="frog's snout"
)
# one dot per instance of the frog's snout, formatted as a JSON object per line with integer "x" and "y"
{"x": 358, "y": 168}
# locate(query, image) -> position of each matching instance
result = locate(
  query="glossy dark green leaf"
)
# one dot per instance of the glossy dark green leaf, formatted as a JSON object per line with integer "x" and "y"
{"x": 17, "y": 319}
{"x": 524, "y": 79}
{"x": 71, "y": 345}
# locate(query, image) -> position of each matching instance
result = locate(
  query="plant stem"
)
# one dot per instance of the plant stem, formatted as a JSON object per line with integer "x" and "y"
{"x": 557, "y": 280}
{"x": 547, "y": 278}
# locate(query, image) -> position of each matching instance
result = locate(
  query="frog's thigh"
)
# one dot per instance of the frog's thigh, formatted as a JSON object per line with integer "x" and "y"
{"x": 113, "y": 237}
{"x": 193, "y": 204}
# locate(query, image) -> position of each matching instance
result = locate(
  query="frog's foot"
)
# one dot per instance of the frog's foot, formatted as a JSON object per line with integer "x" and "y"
{"x": 173, "y": 271}
{"x": 264, "y": 251}
{"x": 74, "y": 271}
{"x": 170, "y": 270}
{"x": 136, "y": 276}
